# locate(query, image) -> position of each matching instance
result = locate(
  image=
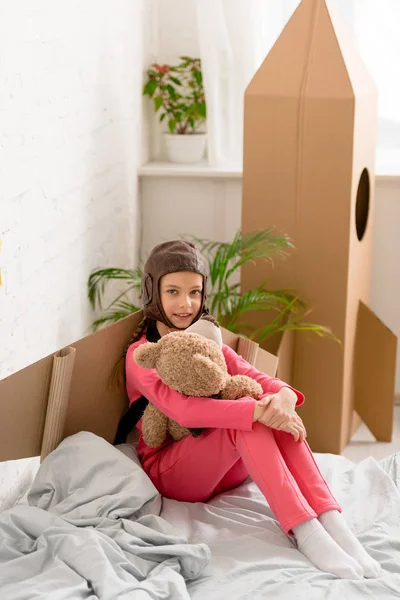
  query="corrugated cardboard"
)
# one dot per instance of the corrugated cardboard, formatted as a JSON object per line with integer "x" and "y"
{"x": 309, "y": 152}
{"x": 92, "y": 404}
{"x": 70, "y": 391}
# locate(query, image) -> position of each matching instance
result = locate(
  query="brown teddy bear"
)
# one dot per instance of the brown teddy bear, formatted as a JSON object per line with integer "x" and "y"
{"x": 192, "y": 363}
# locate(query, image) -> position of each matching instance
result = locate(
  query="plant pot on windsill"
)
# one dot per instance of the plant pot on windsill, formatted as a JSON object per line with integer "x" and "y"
{"x": 185, "y": 148}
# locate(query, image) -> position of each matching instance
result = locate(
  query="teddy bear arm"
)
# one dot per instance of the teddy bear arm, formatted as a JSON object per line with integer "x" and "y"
{"x": 241, "y": 385}
{"x": 154, "y": 426}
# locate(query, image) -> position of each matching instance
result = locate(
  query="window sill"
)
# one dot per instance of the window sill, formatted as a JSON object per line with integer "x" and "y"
{"x": 387, "y": 169}
{"x": 200, "y": 169}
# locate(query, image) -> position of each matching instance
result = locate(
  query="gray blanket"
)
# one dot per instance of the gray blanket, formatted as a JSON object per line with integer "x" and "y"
{"x": 91, "y": 529}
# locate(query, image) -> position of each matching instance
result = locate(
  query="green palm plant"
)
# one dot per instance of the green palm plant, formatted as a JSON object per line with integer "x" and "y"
{"x": 122, "y": 305}
{"x": 226, "y": 302}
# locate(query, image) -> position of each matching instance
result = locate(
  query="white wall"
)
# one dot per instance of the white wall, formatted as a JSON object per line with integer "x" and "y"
{"x": 174, "y": 32}
{"x": 385, "y": 276}
{"x": 70, "y": 121}
{"x": 177, "y": 30}
{"x": 171, "y": 32}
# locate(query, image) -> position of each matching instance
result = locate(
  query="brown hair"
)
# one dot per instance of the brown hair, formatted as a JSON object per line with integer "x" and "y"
{"x": 118, "y": 378}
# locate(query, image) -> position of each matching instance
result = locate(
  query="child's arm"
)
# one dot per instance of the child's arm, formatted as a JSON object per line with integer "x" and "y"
{"x": 270, "y": 385}
{"x": 189, "y": 411}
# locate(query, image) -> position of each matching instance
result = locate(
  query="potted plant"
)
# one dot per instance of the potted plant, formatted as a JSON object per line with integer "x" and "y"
{"x": 227, "y": 303}
{"x": 178, "y": 98}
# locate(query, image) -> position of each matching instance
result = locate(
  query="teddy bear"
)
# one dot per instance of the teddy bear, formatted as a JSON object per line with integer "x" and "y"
{"x": 190, "y": 362}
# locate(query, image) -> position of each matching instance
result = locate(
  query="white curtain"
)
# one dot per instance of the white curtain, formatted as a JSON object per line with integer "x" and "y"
{"x": 377, "y": 36}
{"x": 235, "y": 36}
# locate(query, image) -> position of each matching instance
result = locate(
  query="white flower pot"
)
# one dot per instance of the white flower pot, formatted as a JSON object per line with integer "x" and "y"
{"x": 185, "y": 148}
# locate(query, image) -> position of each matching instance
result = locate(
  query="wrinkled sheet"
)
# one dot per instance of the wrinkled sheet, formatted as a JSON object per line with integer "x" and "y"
{"x": 91, "y": 529}
{"x": 252, "y": 558}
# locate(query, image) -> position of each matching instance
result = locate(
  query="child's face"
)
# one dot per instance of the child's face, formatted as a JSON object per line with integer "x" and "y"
{"x": 181, "y": 296}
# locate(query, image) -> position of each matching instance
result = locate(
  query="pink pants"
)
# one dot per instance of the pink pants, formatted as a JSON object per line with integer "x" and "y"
{"x": 196, "y": 469}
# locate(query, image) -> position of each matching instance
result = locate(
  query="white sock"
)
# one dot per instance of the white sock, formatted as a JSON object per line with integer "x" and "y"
{"x": 318, "y": 546}
{"x": 336, "y": 526}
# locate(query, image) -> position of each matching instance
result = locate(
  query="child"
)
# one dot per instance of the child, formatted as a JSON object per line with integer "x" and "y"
{"x": 264, "y": 439}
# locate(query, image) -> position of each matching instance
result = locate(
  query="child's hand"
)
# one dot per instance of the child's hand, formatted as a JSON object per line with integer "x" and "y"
{"x": 280, "y": 413}
{"x": 260, "y": 406}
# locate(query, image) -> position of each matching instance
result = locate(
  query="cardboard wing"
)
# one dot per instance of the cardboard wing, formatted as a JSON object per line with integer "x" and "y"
{"x": 374, "y": 373}
{"x": 64, "y": 393}
{"x": 70, "y": 391}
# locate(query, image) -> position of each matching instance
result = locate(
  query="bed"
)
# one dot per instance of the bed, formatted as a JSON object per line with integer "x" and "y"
{"x": 87, "y": 523}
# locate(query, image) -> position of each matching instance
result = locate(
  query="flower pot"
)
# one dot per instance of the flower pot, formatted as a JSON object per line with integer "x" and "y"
{"x": 185, "y": 148}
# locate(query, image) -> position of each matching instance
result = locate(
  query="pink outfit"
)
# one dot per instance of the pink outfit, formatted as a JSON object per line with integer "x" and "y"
{"x": 233, "y": 447}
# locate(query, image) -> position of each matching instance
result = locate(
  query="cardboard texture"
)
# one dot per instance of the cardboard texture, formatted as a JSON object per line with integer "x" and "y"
{"x": 70, "y": 391}
{"x": 60, "y": 386}
{"x": 375, "y": 368}
{"x": 92, "y": 404}
{"x": 309, "y": 152}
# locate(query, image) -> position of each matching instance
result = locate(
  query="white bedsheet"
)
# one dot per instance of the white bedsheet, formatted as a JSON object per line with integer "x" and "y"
{"x": 252, "y": 558}
{"x": 91, "y": 530}
{"x": 16, "y": 477}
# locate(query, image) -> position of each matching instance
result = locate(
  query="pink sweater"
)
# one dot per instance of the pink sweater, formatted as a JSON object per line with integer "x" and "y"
{"x": 194, "y": 411}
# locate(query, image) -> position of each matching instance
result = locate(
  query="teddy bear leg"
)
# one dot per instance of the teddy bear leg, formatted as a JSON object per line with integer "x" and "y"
{"x": 154, "y": 426}
{"x": 176, "y": 431}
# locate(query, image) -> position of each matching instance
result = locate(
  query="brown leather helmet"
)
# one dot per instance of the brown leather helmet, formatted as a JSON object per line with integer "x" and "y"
{"x": 169, "y": 257}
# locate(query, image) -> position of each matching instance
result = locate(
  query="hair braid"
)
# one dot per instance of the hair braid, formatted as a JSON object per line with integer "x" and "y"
{"x": 118, "y": 373}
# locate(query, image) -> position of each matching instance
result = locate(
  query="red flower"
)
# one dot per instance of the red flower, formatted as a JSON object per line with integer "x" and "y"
{"x": 162, "y": 68}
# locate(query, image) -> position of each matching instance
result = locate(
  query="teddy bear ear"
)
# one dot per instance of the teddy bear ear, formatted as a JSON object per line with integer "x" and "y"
{"x": 146, "y": 355}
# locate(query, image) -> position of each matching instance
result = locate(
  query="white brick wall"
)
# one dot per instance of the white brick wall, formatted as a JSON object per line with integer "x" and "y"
{"x": 70, "y": 121}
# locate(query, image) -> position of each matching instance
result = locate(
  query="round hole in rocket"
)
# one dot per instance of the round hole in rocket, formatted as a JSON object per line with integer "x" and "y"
{"x": 362, "y": 204}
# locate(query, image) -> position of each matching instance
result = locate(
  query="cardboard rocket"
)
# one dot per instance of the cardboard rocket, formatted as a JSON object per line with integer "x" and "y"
{"x": 309, "y": 152}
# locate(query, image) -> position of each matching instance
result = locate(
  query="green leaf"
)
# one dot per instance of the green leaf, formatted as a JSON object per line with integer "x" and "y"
{"x": 293, "y": 324}
{"x": 233, "y": 305}
{"x": 112, "y": 316}
{"x": 150, "y": 88}
{"x": 163, "y": 117}
{"x": 100, "y": 277}
{"x": 198, "y": 77}
{"x": 171, "y": 91}
{"x": 158, "y": 100}
{"x": 202, "y": 109}
{"x": 172, "y": 125}
{"x": 175, "y": 80}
